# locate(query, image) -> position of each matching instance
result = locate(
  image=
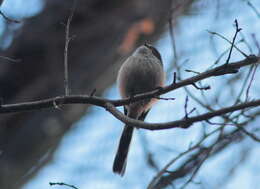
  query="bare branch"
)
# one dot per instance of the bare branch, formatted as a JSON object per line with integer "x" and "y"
{"x": 183, "y": 123}
{"x": 193, "y": 162}
{"x": 174, "y": 77}
{"x": 93, "y": 92}
{"x": 207, "y": 153}
{"x": 62, "y": 184}
{"x": 221, "y": 36}
{"x": 187, "y": 70}
{"x": 256, "y": 43}
{"x": 186, "y": 106}
{"x": 201, "y": 88}
{"x": 172, "y": 38}
{"x": 190, "y": 149}
{"x": 163, "y": 98}
{"x": 251, "y": 135}
{"x": 233, "y": 41}
{"x": 10, "y": 59}
{"x": 9, "y": 19}
{"x": 67, "y": 41}
{"x": 253, "y": 8}
{"x": 110, "y": 105}
{"x": 86, "y": 99}
{"x": 250, "y": 82}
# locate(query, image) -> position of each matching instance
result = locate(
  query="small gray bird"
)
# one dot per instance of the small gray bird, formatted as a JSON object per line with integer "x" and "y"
{"x": 141, "y": 72}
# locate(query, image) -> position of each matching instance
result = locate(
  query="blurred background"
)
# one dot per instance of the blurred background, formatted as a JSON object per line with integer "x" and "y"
{"x": 76, "y": 144}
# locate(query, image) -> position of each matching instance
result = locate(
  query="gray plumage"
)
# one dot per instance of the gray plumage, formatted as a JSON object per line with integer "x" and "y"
{"x": 141, "y": 72}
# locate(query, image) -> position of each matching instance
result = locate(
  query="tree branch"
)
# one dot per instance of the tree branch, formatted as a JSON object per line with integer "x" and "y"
{"x": 9, "y": 19}
{"x": 67, "y": 41}
{"x": 233, "y": 41}
{"x": 183, "y": 123}
{"x": 110, "y": 105}
{"x": 62, "y": 184}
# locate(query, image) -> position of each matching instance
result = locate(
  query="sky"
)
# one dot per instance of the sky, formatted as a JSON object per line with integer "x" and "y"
{"x": 85, "y": 155}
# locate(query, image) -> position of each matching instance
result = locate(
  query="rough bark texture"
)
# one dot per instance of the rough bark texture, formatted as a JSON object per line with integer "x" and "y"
{"x": 28, "y": 139}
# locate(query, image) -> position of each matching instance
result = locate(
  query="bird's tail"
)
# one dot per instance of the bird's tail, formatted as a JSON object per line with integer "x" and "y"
{"x": 122, "y": 151}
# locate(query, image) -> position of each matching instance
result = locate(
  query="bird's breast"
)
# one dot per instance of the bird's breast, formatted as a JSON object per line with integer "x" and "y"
{"x": 139, "y": 75}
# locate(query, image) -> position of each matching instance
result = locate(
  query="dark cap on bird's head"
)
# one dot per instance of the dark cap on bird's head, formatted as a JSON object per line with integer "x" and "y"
{"x": 154, "y": 51}
{"x": 148, "y": 50}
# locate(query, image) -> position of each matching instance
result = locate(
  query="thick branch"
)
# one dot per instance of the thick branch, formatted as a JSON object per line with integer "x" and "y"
{"x": 110, "y": 105}
{"x": 184, "y": 123}
{"x": 90, "y": 99}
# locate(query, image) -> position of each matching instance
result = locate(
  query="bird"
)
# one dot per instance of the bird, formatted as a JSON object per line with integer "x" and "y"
{"x": 141, "y": 72}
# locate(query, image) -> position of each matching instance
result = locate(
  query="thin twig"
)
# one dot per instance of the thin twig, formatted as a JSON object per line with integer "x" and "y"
{"x": 174, "y": 77}
{"x": 243, "y": 86}
{"x": 250, "y": 82}
{"x": 207, "y": 151}
{"x": 9, "y": 19}
{"x": 186, "y": 107}
{"x": 187, "y": 166}
{"x": 253, "y": 8}
{"x": 244, "y": 41}
{"x": 163, "y": 98}
{"x": 233, "y": 40}
{"x": 201, "y": 88}
{"x": 67, "y": 41}
{"x": 191, "y": 111}
{"x": 172, "y": 38}
{"x": 251, "y": 135}
{"x": 220, "y": 124}
{"x": 256, "y": 43}
{"x": 187, "y": 70}
{"x": 171, "y": 162}
{"x": 221, "y": 36}
{"x": 93, "y": 92}
{"x": 10, "y": 59}
{"x": 62, "y": 184}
